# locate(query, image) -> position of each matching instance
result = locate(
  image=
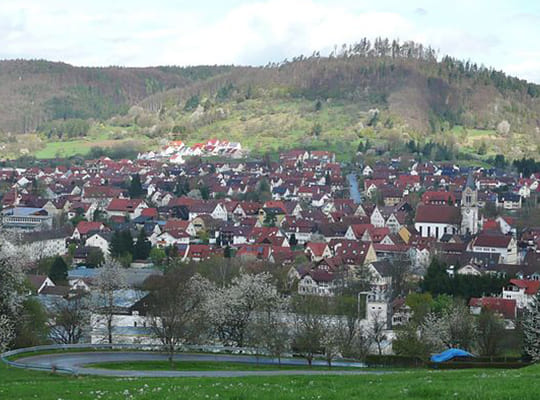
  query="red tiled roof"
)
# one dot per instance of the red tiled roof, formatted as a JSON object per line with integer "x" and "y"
{"x": 123, "y": 205}
{"x": 438, "y": 214}
{"x": 150, "y": 212}
{"x": 507, "y": 307}
{"x": 85, "y": 226}
{"x": 317, "y": 248}
{"x": 531, "y": 287}
{"x": 498, "y": 241}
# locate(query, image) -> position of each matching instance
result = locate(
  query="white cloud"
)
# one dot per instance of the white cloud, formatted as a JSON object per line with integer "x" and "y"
{"x": 134, "y": 33}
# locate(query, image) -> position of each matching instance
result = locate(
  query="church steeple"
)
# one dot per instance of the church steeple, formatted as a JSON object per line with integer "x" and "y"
{"x": 469, "y": 207}
{"x": 470, "y": 182}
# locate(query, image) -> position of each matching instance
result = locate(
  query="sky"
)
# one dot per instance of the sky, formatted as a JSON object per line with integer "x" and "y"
{"x": 135, "y": 33}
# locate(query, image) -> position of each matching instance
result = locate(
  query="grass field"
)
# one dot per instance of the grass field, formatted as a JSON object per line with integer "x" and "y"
{"x": 202, "y": 366}
{"x": 415, "y": 384}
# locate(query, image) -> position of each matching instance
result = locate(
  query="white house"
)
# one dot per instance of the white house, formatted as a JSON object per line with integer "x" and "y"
{"x": 522, "y": 291}
{"x": 505, "y": 246}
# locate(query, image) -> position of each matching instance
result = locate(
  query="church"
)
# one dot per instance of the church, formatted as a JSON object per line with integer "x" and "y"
{"x": 437, "y": 220}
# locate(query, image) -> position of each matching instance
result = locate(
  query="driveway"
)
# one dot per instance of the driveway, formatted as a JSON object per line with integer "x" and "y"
{"x": 77, "y": 362}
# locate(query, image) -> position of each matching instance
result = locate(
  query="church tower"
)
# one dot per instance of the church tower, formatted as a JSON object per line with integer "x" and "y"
{"x": 469, "y": 207}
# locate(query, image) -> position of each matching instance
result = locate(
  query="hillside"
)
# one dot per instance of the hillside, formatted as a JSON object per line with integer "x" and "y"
{"x": 384, "y": 91}
{"x": 32, "y": 92}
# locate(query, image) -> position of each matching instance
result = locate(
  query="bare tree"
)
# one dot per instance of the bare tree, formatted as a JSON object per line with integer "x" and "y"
{"x": 269, "y": 329}
{"x": 70, "y": 318}
{"x": 110, "y": 279}
{"x": 490, "y": 329}
{"x": 310, "y": 324}
{"x": 376, "y": 330}
{"x": 175, "y": 306}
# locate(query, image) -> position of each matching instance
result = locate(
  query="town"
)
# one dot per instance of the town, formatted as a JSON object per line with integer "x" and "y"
{"x": 397, "y": 236}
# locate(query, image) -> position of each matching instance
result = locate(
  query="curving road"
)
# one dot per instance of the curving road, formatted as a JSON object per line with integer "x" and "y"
{"x": 77, "y": 362}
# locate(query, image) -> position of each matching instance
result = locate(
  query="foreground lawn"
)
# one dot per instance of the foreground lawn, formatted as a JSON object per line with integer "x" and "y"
{"x": 414, "y": 384}
{"x": 203, "y": 366}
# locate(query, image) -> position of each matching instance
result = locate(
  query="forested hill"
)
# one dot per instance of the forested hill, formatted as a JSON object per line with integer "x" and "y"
{"x": 406, "y": 80}
{"x": 35, "y": 91}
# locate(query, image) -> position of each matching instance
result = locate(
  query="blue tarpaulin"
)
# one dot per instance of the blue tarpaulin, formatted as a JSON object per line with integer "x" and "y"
{"x": 449, "y": 354}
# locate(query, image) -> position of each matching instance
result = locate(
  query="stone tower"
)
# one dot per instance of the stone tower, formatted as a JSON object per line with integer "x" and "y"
{"x": 469, "y": 207}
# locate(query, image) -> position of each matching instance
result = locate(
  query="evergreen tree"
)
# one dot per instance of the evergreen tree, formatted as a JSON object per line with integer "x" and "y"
{"x": 135, "y": 187}
{"x": 292, "y": 240}
{"x": 531, "y": 330}
{"x": 227, "y": 253}
{"x": 58, "y": 272}
{"x": 141, "y": 250}
{"x": 205, "y": 192}
{"x": 121, "y": 243}
{"x": 126, "y": 241}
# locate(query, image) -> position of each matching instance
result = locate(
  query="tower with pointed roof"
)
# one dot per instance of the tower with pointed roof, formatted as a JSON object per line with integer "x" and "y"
{"x": 469, "y": 207}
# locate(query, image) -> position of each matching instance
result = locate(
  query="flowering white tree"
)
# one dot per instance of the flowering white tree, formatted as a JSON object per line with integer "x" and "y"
{"x": 111, "y": 278}
{"x": 531, "y": 330}
{"x": 231, "y": 309}
{"x": 11, "y": 297}
{"x": 7, "y": 332}
{"x": 454, "y": 328}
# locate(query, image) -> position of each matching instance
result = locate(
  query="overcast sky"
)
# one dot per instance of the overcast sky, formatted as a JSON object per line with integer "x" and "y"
{"x": 501, "y": 34}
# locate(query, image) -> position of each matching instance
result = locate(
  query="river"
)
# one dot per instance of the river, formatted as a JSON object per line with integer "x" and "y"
{"x": 353, "y": 188}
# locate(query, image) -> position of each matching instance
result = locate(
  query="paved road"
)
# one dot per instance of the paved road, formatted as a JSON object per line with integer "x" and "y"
{"x": 77, "y": 362}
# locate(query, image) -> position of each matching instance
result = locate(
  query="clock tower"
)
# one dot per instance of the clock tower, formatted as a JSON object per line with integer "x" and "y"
{"x": 469, "y": 207}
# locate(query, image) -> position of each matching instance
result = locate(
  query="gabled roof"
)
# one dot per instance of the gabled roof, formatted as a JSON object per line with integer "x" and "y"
{"x": 507, "y": 307}
{"x": 317, "y": 248}
{"x": 531, "y": 287}
{"x": 84, "y": 227}
{"x": 124, "y": 205}
{"x": 442, "y": 214}
{"x": 497, "y": 241}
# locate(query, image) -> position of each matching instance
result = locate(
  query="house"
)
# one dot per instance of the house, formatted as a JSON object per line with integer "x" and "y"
{"x": 438, "y": 198}
{"x": 505, "y": 246}
{"x": 509, "y": 201}
{"x": 437, "y": 220}
{"x": 39, "y": 282}
{"x": 506, "y": 308}
{"x": 86, "y": 228}
{"x": 101, "y": 240}
{"x": 317, "y": 282}
{"x": 380, "y": 273}
{"x": 215, "y": 209}
{"x": 469, "y": 269}
{"x": 131, "y": 208}
{"x": 401, "y": 312}
{"x": 26, "y": 218}
{"x": 317, "y": 251}
{"x": 522, "y": 291}
{"x": 35, "y": 245}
